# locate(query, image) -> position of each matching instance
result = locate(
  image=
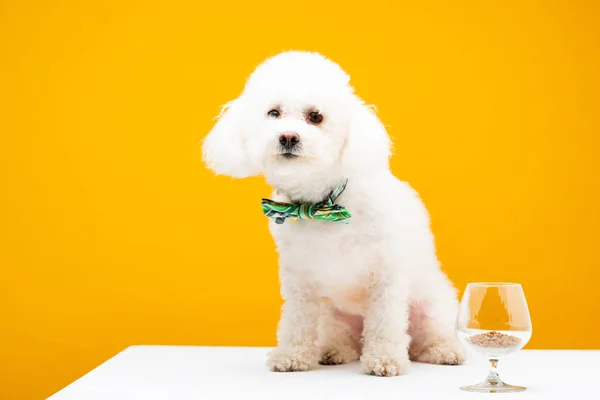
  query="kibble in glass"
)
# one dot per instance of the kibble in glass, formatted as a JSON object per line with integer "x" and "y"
{"x": 494, "y": 321}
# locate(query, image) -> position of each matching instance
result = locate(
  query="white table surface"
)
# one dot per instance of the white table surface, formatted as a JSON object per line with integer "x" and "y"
{"x": 182, "y": 373}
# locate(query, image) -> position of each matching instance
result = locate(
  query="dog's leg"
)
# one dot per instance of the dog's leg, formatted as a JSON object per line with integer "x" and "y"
{"x": 339, "y": 336}
{"x": 385, "y": 348}
{"x": 432, "y": 327}
{"x": 297, "y": 348}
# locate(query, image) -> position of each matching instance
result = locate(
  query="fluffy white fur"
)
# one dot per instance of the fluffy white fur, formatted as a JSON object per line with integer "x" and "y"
{"x": 372, "y": 288}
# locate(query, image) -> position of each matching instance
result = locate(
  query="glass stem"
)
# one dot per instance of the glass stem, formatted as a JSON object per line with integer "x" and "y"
{"x": 493, "y": 377}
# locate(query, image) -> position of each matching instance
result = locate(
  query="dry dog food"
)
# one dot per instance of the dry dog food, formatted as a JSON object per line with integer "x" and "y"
{"x": 494, "y": 339}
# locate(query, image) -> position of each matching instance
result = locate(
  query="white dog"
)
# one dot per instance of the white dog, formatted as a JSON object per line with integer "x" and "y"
{"x": 371, "y": 288}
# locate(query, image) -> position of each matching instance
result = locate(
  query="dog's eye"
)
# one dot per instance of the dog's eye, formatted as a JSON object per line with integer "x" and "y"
{"x": 274, "y": 113}
{"x": 315, "y": 117}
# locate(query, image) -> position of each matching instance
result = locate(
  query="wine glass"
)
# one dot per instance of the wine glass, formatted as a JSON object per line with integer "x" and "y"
{"x": 494, "y": 321}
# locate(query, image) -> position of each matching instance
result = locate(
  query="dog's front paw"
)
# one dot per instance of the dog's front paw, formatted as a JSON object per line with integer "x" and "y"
{"x": 338, "y": 355}
{"x": 443, "y": 353}
{"x": 289, "y": 360}
{"x": 385, "y": 365}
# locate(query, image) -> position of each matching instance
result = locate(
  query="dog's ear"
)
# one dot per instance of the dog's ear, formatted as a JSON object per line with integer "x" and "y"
{"x": 368, "y": 145}
{"x": 223, "y": 149}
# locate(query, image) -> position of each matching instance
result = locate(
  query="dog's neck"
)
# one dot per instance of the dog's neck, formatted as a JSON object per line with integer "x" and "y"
{"x": 312, "y": 190}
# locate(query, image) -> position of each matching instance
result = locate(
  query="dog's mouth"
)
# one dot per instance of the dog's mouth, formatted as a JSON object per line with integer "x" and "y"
{"x": 289, "y": 155}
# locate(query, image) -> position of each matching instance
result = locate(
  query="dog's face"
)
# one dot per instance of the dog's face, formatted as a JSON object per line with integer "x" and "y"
{"x": 296, "y": 117}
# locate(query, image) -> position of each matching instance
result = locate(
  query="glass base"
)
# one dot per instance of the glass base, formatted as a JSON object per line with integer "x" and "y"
{"x": 493, "y": 386}
{"x": 493, "y": 383}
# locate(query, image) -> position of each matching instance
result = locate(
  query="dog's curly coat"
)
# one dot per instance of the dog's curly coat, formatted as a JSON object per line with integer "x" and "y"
{"x": 372, "y": 288}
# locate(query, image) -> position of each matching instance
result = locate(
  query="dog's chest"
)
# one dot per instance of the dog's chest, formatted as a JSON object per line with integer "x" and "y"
{"x": 337, "y": 258}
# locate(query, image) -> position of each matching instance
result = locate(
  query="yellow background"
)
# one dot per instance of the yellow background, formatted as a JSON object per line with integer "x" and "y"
{"x": 112, "y": 232}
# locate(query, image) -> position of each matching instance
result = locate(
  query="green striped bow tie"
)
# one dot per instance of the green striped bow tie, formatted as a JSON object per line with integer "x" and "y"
{"x": 325, "y": 210}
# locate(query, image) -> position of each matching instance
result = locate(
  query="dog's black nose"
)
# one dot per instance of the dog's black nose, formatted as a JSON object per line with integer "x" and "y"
{"x": 289, "y": 139}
